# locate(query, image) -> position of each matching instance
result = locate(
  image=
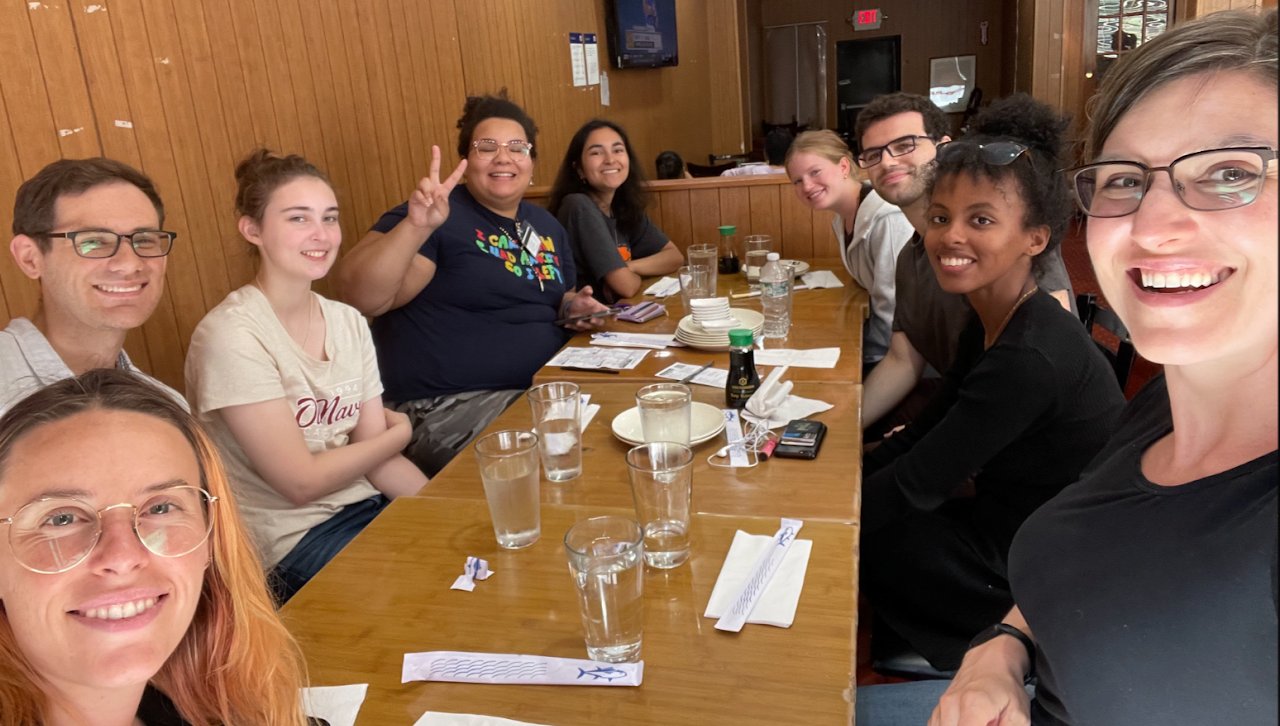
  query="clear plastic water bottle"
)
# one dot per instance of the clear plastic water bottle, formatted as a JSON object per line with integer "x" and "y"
{"x": 775, "y": 297}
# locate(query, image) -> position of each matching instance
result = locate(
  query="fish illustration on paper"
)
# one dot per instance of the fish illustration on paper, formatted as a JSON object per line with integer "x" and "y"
{"x": 603, "y": 673}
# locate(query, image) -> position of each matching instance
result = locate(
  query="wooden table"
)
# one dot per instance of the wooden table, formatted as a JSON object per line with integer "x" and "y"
{"x": 821, "y": 318}
{"x": 826, "y": 488}
{"x": 388, "y": 594}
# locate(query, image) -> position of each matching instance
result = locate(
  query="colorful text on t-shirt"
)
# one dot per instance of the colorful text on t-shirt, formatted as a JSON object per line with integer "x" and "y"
{"x": 542, "y": 266}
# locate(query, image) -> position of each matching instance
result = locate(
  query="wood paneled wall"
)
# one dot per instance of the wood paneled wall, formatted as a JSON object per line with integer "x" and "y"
{"x": 184, "y": 88}
{"x": 691, "y": 211}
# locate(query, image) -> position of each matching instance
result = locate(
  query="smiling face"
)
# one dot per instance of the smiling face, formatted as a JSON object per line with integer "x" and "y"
{"x": 900, "y": 180}
{"x": 85, "y": 296}
{"x": 818, "y": 181}
{"x": 1224, "y": 262}
{"x": 499, "y": 183}
{"x": 75, "y": 627}
{"x": 604, "y": 164}
{"x": 975, "y": 237}
{"x": 298, "y": 235}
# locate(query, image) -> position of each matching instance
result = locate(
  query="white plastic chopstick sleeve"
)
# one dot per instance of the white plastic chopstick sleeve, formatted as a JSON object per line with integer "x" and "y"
{"x": 763, "y": 571}
{"x": 460, "y": 667}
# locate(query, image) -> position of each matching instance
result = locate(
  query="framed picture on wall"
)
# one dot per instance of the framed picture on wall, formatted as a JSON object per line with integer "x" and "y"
{"x": 951, "y": 81}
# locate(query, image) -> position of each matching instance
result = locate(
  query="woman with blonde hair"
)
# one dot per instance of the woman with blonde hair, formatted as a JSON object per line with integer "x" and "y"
{"x": 131, "y": 592}
{"x": 870, "y": 231}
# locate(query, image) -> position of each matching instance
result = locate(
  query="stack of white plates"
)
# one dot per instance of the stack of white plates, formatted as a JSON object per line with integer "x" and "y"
{"x": 694, "y": 335}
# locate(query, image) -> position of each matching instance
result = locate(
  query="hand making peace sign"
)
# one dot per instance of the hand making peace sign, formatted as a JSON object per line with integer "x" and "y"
{"x": 429, "y": 202}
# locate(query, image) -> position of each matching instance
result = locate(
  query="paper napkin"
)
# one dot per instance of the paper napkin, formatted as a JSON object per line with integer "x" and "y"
{"x": 338, "y": 705}
{"x": 663, "y": 287}
{"x": 438, "y": 718}
{"x": 777, "y": 605}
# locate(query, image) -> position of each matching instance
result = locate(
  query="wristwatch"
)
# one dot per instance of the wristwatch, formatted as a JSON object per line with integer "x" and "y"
{"x": 1006, "y": 629}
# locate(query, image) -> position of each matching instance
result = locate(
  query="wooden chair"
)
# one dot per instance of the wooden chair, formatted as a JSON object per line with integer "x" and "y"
{"x": 1123, "y": 355}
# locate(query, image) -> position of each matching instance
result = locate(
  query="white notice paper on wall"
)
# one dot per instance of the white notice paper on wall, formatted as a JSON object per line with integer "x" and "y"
{"x": 604, "y": 89}
{"x": 592, "y": 51}
{"x": 577, "y": 59}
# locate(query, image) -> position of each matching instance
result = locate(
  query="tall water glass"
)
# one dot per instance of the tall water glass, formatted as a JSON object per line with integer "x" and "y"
{"x": 695, "y": 283}
{"x": 605, "y": 555}
{"x": 509, "y": 471}
{"x": 661, "y": 476}
{"x": 758, "y": 247}
{"x": 709, "y": 255}
{"x": 665, "y": 412}
{"x": 556, "y": 409}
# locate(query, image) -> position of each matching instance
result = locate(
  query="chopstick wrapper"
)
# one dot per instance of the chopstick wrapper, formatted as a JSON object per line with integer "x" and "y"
{"x": 773, "y": 405}
{"x": 508, "y": 668}
{"x": 777, "y": 604}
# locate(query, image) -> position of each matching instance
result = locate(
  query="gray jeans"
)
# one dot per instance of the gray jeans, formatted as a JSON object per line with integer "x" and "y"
{"x": 444, "y": 425}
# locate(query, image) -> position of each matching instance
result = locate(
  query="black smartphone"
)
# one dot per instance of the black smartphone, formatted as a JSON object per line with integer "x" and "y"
{"x": 801, "y": 439}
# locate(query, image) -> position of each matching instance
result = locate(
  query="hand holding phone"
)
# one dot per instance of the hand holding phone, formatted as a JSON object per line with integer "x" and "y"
{"x": 589, "y": 316}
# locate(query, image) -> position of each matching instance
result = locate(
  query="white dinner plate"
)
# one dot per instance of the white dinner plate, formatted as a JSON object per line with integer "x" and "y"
{"x": 801, "y": 266}
{"x": 705, "y": 421}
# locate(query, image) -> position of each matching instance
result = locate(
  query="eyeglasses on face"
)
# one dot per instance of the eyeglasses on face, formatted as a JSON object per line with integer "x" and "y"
{"x": 898, "y": 147}
{"x": 995, "y": 153}
{"x": 1206, "y": 181}
{"x": 100, "y": 244}
{"x": 488, "y": 148}
{"x": 54, "y": 534}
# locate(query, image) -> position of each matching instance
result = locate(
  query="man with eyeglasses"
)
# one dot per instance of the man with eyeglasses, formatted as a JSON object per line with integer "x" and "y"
{"x": 898, "y": 136}
{"x": 89, "y": 230}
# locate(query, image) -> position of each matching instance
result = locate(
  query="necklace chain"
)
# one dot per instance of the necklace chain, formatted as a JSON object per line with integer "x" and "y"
{"x": 1009, "y": 316}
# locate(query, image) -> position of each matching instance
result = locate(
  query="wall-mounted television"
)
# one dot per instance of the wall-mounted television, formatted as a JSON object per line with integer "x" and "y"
{"x": 642, "y": 33}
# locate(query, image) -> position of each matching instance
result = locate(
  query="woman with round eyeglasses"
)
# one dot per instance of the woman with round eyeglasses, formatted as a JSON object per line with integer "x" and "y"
{"x": 130, "y": 591}
{"x": 471, "y": 288}
{"x": 1146, "y": 592}
{"x": 1027, "y": 403}
{"x": 600, "y": 199}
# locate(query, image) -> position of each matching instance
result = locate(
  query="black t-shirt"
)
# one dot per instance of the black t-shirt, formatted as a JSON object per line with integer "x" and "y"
{"x": 599, "y": 247}
{"x": 486, "y": 319}
{"x": 157, "y": 710}
{"x": 1153, "y": 604}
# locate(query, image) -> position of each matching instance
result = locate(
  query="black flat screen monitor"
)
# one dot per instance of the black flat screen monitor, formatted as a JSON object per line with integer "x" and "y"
{"x": 642, "y": 33}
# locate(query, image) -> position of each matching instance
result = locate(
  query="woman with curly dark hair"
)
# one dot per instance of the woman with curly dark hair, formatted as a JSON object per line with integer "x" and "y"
{"x": 600, "y": 199}
{"x": 1028, "y": 402}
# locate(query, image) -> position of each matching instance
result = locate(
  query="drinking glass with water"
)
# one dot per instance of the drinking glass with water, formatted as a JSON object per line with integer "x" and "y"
{"x": 605, "y": 556}
{"x": 556, "y": 409}
{"x": 661, "y": 477}
{"x": 509, "y": 471}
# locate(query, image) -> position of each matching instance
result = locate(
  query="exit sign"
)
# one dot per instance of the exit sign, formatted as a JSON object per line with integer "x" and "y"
{"x": 866, "y": 19}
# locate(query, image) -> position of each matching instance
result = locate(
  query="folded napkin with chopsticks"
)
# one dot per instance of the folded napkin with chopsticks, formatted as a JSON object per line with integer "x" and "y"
{"x": 438, "y": 718}
{"x": 778, "y": 601}
{"x": 821, "y": 278}
{"x": 337, "y": 705}
{"x": 773, "y": 405}
{"x": 663, "y": 287}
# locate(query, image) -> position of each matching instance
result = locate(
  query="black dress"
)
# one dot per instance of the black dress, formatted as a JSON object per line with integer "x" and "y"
{"x": 1020, "y": 421}
{"x": 157, "y": 710}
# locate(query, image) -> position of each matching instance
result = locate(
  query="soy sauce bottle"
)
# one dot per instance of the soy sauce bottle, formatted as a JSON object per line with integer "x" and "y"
{"x": 743, "y": 379}
{"x": 728, "y": 250}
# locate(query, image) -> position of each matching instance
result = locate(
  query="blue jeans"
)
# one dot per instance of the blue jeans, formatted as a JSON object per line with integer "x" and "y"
{"x": 319, "y": 545}
{"x": 901, "y": 704}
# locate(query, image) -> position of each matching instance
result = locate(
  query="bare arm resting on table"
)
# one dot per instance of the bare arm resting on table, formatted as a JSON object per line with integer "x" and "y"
{"x": 988, "y": 687}
{"x": 384, "y": 271}
{"x": 892, "y": 379}
{"x": 625, "y": 281}
{"x": 271, "y": 439}
{"x": 397, "y": 476}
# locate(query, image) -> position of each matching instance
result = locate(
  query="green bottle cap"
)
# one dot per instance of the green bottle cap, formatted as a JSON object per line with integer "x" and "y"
{"x": 727, "y": 230}
{"x": 740, "y": 338}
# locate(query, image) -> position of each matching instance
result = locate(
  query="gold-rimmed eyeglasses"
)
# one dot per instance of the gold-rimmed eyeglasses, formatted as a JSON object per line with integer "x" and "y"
{"x": 1206, "y": 181}
{"x": 54, "y": 534}
{"x": 488, "y": 148}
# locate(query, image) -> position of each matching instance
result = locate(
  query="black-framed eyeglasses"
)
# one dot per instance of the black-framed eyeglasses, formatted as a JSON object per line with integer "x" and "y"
{"x": 995, "y": 153}
{"x": 1206, "y": 181}
{"x": 99, "y": 244}
{"x": 54, "y": 534}
{"x": 898, "y": 147}
{"x": 488, "y": 148}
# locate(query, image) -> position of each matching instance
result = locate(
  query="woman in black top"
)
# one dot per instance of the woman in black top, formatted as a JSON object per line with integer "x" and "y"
{"x": 1149, "y": 586}
{"x": 1027, "y": 403}
{"x": 599, "y": 197}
